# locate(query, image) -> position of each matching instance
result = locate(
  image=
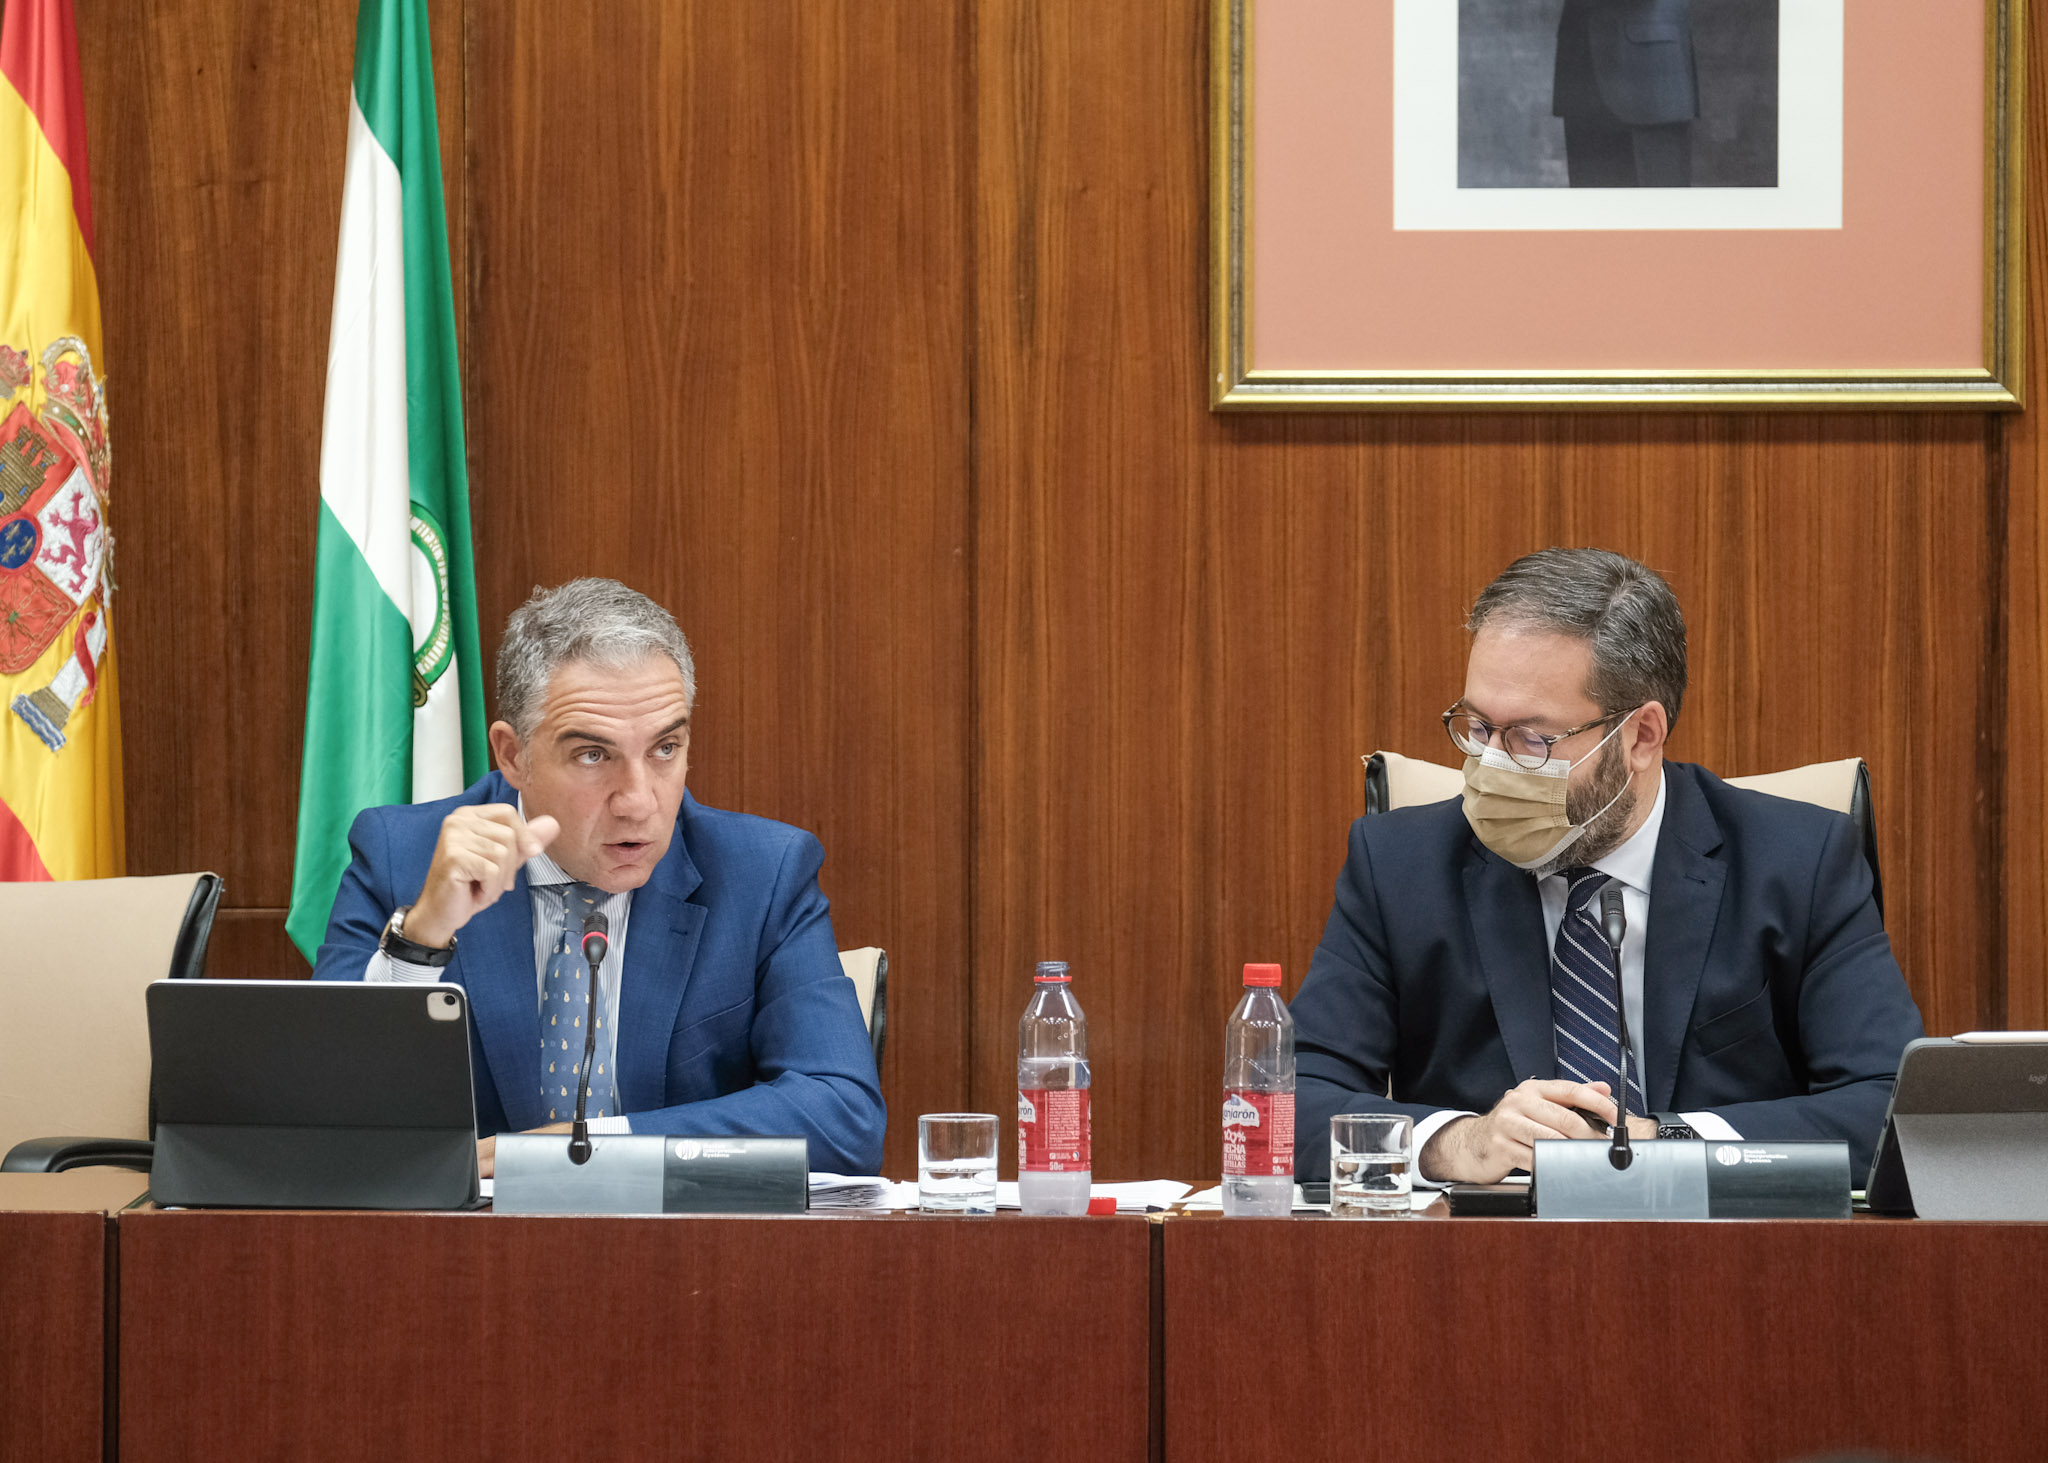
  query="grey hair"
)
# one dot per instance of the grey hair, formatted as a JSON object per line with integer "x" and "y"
{"x": 1623, "y": 609}
{"x": 597, "y": 621}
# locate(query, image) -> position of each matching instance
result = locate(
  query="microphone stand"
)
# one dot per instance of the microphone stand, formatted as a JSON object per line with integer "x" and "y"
{"x": 596, "y": 941}
{"x": 1614, "y": 924}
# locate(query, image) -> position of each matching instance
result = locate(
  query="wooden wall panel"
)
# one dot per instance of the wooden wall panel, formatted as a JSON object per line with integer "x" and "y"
{"x": 717, "y": 304}
{"x": 217, "y": 130}
{"x": 2022, "y": 799}
{"x": 871, "y": 340}
{"x": 1191, "y": 626}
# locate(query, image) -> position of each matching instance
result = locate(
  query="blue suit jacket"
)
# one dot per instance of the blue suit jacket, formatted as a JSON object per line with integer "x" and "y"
{"x": 734, "y": 1014}
{"x": 1770, "y": 995}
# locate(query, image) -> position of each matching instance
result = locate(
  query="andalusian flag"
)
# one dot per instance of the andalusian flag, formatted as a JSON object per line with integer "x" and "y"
{"x": 394, "y": 696}
{"x": 60, "y": 722}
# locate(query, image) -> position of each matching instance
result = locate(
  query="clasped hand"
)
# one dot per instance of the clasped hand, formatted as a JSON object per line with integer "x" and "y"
{"x": 1485, "y": 1150}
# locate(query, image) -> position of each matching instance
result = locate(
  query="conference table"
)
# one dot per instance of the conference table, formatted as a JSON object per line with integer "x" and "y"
{"x": 56, "y": 1239}
{"x": 400, "y": 1335}
{"x": 1728, "y": 1341}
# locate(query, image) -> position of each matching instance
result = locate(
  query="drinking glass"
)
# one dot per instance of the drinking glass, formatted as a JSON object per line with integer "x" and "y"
{"x": 956, "y": 1163}
{"x": 1369, "y": 1164}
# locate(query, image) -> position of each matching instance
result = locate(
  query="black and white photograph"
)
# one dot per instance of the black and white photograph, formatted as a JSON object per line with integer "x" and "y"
{"x": 1618, "y": 93}
{"x": 1618, "y": 114}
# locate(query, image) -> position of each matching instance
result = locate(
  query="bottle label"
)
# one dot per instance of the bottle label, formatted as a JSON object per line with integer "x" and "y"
{"x": 1258, "y": 1134}
{"x": 1052, "y": 1130}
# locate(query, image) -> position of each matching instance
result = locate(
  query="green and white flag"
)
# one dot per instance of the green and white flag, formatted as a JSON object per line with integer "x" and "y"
{"x": 394, "y": 695}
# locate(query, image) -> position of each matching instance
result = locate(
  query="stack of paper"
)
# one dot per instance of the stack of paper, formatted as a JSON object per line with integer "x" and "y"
{"x": 1132, "y": 1198}
{"x": 837, "y": 1191}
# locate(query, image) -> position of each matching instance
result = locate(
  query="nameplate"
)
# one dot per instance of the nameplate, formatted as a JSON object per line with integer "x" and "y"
{"x": 647, "y": 1173}
{"x": 1703, "y": 1179}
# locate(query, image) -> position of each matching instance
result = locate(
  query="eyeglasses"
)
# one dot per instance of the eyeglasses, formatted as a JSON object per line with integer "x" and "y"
{"x": 1524, "y": 746}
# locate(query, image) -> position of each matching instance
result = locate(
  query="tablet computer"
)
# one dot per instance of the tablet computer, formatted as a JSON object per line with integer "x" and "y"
{"x": 1966, "y": 1134}
{"x": 311, "y": 1095}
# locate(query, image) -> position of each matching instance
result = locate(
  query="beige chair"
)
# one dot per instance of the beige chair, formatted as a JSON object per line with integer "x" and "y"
{"x": 1393, "y": 781}
{"x": 74, "y": 1049}
{"x": 868, "y": 969}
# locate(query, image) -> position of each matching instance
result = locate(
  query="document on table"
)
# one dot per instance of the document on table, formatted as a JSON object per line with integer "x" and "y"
{"x": 1140, "y": 1197}
{"x": 1144, "y": 1196}
{"x": 1211, "y": 1201}
{"x": 841, "y": 1191}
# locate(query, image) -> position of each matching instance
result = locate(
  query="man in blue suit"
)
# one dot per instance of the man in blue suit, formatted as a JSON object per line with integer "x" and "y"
{"x": 722, "y": 1008}
{"x": 1464, "y": 979}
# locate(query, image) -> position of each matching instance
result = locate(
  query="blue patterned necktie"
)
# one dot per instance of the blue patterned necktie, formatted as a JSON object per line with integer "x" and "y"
{"x": 1583, "y": 989}
{"x": 570, "y": 999}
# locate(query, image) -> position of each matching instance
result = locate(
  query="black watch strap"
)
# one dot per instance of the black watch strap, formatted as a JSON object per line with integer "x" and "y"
{"x": 394, "y": 943}
{"x": 1672, "y": 1125}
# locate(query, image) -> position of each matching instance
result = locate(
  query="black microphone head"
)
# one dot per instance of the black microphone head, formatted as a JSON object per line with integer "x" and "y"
{"x": 1614, "y": 924}
{"x": 597, "y": 936}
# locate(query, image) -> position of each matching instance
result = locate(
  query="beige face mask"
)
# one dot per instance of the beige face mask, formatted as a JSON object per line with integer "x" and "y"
{"x": 1519, "y": 812}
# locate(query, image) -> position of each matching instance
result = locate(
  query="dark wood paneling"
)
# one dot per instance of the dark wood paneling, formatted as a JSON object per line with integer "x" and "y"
{"x": 52, "y": 1336}
{"x": 217, "y": 132}
{"x": 250, "y": 944}
{"x": 2023, "y": 827}
{"x": 1724, "y": 1343}
{"x": 1190, "y": 627}
{"x": 717, "y": 309}
{"x": 432, "y": 1336}
{"x": 870, "y": 340}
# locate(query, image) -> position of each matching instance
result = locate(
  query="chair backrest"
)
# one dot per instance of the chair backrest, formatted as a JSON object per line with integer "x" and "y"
{"x": 1394, "y": 781}
{"x": 868, "y": 969}
{"x": 74, "y": 1049}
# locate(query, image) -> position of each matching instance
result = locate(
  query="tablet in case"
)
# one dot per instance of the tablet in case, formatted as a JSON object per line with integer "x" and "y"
{"x": 311, "y": 1095}
{"x": 1966, "y": 1135}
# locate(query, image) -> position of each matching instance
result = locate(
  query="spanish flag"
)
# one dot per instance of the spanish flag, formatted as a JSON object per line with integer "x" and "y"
{"x": 60, "y": 725}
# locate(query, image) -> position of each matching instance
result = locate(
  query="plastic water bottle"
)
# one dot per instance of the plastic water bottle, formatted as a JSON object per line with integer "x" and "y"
{"x": 1052, "y": 1098}
{"x": 1258, "y": 1101}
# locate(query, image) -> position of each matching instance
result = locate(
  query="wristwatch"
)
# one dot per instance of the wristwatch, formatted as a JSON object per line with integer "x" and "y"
{"x": 1671, "y": 1125}
{"x": 394, "y": 943}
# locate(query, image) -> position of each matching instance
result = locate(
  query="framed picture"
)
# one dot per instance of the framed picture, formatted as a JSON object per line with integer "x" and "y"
{"x": 1617, "y": 203}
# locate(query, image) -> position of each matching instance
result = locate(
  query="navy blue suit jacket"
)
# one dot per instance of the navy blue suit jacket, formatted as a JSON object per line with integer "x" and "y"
{"x": 734, "y": 1015}
{"x": 1770, "y": 994}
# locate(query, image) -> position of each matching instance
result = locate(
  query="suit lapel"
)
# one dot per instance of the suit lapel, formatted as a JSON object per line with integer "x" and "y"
{"x": 1507, "y": 926}
{"x": 1685, "y": 905}
{"x": 661, "y": 951}
{"x": 495, "y": 952}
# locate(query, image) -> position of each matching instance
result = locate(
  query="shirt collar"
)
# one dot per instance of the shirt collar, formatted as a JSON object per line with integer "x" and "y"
{"x": 1633, "y": 861}
{"x": 540, "y": 869}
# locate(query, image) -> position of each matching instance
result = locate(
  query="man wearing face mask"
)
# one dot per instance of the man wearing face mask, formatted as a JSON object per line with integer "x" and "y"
{"x": 1463, "y": 978}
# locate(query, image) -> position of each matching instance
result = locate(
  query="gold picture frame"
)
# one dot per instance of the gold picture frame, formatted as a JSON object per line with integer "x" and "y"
{"x": 1238, "y": 383}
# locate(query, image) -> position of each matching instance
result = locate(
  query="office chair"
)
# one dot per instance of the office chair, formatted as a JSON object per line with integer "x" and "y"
{"x": 74, "y": 1051}
{"x": 1394, "y": 781}
{"x": 868, "y": 969}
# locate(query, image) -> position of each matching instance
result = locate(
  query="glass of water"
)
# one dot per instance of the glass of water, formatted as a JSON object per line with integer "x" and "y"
{"x": 956, "y": 1163}
{"x": 1369, "y": 1159}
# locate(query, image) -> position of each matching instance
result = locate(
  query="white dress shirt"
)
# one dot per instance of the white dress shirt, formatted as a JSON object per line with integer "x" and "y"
{"x": 1631, "y": 866}
{"x": 547, "y": 886}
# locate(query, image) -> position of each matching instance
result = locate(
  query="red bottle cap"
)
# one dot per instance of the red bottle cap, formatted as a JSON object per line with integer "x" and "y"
{"x": 1051, "y": 970}
{"x": 1102, "y": 1204}
{"x": 1262, "y": 975}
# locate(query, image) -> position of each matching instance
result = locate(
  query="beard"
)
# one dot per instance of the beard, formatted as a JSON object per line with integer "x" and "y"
{"x": 1608, "y": 829}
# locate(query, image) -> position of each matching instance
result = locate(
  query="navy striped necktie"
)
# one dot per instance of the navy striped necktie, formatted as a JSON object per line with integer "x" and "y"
{"x": 569, "y": 997}
{"x": 1583, "y": 990}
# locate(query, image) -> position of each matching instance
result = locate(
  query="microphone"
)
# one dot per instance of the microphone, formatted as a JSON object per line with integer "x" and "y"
{"x": 1614, "y": 924}
{"x": 597, "y": 941}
